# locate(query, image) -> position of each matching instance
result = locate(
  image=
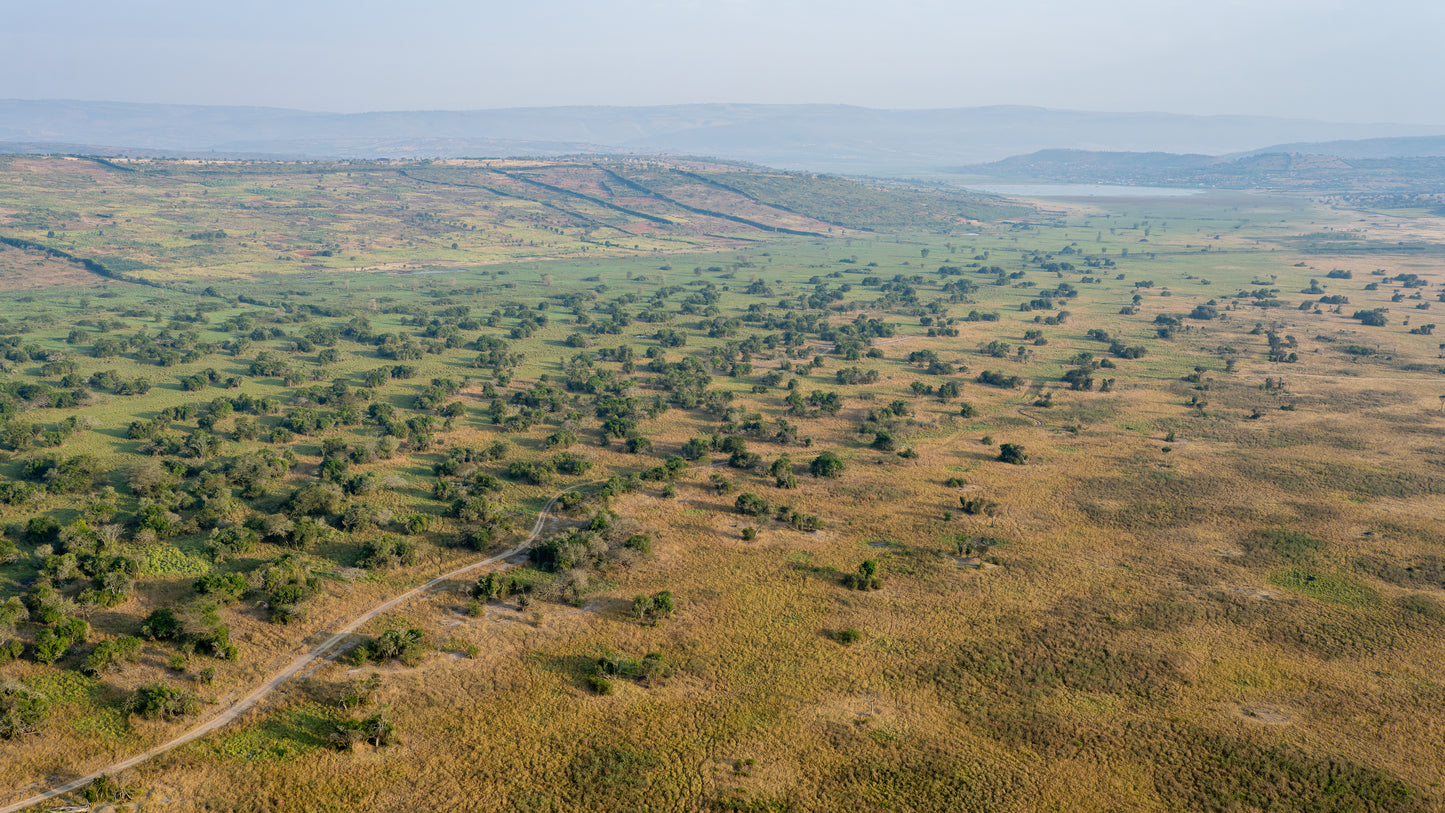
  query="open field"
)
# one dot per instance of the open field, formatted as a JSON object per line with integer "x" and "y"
{"x": 1213, "y": 579}
{"x": 204, "y": 222}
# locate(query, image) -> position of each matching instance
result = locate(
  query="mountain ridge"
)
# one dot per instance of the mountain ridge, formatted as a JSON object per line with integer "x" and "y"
{"x": 819, "y": 137}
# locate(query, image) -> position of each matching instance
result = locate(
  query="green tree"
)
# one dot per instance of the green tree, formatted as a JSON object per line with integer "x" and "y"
{"x": 653, "y": 608}
{"x": 752, "y": 505}
{"x": 22, "y": 710}
{"x": 158, "y": 701}
{"x": 1012, "y": 453}
{"x": 111, "y": 656}
{"x": 377, "y": 730}
{"x": 642, "y": 607}
{"x": 826, "y": 464}
{"x": 407, "y": 645}
{"x": 866, "y": 578}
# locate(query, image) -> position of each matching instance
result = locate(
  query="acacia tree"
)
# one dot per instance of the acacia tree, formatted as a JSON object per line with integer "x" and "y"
{"x": 1012, "y": 453}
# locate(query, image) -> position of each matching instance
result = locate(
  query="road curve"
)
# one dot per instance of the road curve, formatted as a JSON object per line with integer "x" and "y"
{"x": 246, "y": 703}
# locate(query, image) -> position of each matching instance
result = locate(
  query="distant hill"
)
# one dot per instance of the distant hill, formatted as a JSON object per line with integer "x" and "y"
{"x": 826, "y": 138}
{"x": 104, "y": 151}
{"x": 1086, "y": 166}
{"x": 1283, "y": 171}
{"x": 1402, "y": 147}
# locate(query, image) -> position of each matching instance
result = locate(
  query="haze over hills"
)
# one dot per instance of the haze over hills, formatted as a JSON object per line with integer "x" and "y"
{"x": 1399, "y": 147}
{"x": 829, "y": 138}
{"x": 1276, "y": 168}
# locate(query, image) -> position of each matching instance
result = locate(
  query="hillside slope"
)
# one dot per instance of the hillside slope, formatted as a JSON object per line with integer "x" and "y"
{"x": 172, "y": 220}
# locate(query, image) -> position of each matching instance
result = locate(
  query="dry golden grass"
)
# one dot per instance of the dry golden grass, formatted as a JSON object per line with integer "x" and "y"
{"x": 1129, "y": 640}
{"x": 889, "y": 721}
{"x": 22, "y": 270}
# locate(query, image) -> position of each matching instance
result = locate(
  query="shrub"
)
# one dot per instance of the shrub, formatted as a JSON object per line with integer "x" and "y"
{"x": 22, "y": 710}
{"x": 997, "y": 379}
{"x": 752, "y": 505}
{"x": 532, "y": 473}
{"x": 316, "y": 499}
{"x": 866, "y": 578}
{"x": 225, "y": 543}
{"x": 695, "y": 448}
{"x": 801, "y": 521}
{"x": 52, "y": 644}
{"x": 388, "y": 551}
{"x": 405, "y": 645}
{"x": 161, "y": 625}
{"x": 288, "y": 581}
{"x": 111, "y": 656}
{"x": 571, "y": 464}
{"x": 652, "y": 668}
{"x": 225, "y": 588}
{"x": 158, "y": 701}
{"x": 377, "y": 730}
{"x": 976, "y": 506}
{"x": 653, "y": 608}
{"x": 1012, "y": 453}
{"x": 1374, "y": 317}
{"x": 826, "y": 464}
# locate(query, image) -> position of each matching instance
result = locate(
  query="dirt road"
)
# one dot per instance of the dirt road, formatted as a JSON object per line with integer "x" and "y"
{"x": 319, "y": 651}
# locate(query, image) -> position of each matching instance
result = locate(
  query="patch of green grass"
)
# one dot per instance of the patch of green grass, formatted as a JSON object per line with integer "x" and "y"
{"x": 62, "y": 688}
{"x": 1282, "y": 543}
{"x": 168, "y": 560}
{"x": 1328, "y": 587}
{"x": 108, "y": 722}
{"x": 285, "y": 735}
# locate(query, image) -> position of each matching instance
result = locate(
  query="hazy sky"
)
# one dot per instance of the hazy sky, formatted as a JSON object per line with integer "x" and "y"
{"x": 1345, "y": 60}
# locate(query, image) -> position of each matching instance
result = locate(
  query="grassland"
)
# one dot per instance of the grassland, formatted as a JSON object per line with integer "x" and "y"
{"x": 1216, "y": 583}
{"x": 197, "y": 222}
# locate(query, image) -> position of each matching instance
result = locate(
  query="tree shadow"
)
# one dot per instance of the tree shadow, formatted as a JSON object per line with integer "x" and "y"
{"x": 808, "y": 569}
{"x": 574, "y": 667}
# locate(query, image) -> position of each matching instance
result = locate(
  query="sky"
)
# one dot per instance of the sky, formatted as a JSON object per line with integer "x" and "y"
{"x": 1339, "y": 60}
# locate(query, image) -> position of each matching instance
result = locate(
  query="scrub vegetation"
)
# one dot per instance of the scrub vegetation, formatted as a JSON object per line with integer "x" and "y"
{"x": 934, "y": 503}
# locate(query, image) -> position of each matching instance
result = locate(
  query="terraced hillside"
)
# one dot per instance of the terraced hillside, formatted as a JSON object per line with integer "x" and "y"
{"x": 190, "y": 222}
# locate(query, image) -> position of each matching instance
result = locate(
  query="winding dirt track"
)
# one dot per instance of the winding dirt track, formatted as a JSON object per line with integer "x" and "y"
{"x": 301, "y": 662}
